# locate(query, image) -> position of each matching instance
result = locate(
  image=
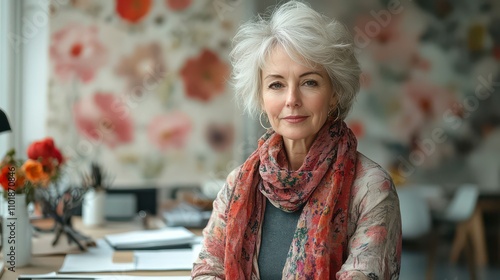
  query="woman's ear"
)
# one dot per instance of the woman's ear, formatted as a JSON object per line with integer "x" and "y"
{"x": 333, "y": 101}
{"x": 261, "y": 104}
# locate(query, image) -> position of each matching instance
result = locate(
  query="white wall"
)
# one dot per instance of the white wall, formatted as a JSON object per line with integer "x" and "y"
{"x": 33, "y": 101}
{"x": 23, "y": 71}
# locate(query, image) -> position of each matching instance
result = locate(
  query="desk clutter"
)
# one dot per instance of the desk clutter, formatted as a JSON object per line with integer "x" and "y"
{"x": 53, "y": 276}
{"x": 147, "y": 252}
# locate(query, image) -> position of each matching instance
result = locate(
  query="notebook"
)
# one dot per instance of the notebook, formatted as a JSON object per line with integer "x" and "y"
{"x": 165, "y": 238}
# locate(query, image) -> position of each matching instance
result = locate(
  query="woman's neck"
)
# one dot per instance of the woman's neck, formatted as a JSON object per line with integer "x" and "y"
{"x": 296, "y": 151}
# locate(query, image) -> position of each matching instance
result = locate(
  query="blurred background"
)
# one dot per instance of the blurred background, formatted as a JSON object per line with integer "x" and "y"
{"x": 142, "y": 88}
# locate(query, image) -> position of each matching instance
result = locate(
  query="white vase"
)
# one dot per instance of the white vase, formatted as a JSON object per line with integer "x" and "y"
{"x": 16, "y": 232}
{"x": 93, "y": 208}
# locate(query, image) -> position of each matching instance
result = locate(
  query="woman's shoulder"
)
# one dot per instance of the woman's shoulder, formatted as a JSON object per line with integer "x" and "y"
{"x": 367, "y": 168}
{"x": 371, "y": 178}
{"x": 232, "y": 176}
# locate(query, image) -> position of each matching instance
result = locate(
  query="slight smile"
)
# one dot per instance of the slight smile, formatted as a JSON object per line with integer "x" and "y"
{"x": 295, "y": 119}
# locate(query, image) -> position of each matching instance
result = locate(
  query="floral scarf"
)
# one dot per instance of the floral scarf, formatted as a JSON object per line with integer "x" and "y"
{"x": 322, "y": 185}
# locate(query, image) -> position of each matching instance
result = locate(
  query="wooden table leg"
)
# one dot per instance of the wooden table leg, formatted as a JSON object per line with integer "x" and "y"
{"x": 478, "y": 238}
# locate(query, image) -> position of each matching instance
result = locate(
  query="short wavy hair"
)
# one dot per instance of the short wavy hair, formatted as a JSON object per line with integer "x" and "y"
{"x": 305, "y": 35}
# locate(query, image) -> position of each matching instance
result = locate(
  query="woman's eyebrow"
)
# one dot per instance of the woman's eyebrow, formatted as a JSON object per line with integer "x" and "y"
{"x": 277, "y": 76}
{"x": 311, "y": 73}
{"x": 302, "y": 75}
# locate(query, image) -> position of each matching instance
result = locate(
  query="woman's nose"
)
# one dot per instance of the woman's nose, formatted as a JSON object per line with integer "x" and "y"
{"x": 293, "y": 97}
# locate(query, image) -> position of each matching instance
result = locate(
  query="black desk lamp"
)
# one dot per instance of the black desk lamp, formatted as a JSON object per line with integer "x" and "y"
{"x": 4, "y": 122}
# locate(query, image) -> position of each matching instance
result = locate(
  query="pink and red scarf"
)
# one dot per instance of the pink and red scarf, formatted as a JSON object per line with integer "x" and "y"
{"x": 322, "y": 185}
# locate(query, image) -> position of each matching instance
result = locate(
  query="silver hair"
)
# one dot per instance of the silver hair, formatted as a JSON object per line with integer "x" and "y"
{"x": 305, "y": 35}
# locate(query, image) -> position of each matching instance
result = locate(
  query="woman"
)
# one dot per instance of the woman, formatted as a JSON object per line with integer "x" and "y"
{"x": 305, "y": 204}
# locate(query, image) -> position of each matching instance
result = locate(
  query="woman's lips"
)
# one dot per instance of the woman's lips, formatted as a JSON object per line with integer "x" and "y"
{"x": 295, "y": 119}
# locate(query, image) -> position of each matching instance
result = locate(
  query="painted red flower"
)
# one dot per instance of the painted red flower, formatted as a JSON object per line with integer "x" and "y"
{"x": 133, "y": 10}
{"x": 101, "y": 117}
{"x": 204, "y": 76}
{"x": 170, "y": 130}
{"x": 77, "y": 52}
{"x": 178, "y": 5}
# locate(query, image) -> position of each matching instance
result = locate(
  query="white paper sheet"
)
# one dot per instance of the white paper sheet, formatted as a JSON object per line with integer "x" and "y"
{"x": 180, "y": 259}
{"x": 98, "y": 259}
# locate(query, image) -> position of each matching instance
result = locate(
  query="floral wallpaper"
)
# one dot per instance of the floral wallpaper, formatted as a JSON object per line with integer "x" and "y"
{"x": 141, "y": 87}
{"x": 428, "y": 105}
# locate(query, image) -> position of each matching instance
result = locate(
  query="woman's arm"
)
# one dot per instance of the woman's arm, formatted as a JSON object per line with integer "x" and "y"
{"x": 375, "y": 246}
{"x": 210, "y": 262}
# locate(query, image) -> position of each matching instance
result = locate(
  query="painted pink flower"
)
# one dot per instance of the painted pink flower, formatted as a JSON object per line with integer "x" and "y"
{"x": 77, "y": 52}
{"x": 204, "y": 76}
{"x": 101, "y": 117}
{"x": 422, "y": 102}
{"x": 377, "y": 234}
{"x": 390, "y": 40}
{"x": 143, "y": 69}
{"x": 178, "y": 5}
{"x": 170, "y": 131}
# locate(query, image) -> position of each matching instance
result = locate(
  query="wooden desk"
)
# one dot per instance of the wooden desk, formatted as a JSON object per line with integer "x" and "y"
{"x": 47, "y": 264}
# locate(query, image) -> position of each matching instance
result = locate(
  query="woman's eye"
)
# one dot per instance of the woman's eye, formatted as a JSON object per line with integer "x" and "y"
{"x": 275, "y": 86}
{"x": 311, "y": 83}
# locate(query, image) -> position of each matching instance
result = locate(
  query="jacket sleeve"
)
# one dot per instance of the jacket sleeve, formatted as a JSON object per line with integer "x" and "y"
{"x": 210, "y": 261}
{"x": 374, "y": 250}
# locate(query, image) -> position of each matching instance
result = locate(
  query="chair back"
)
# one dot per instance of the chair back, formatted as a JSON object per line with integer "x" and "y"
{"x": 463, "y": 203}
{"x": 415, "y": 213}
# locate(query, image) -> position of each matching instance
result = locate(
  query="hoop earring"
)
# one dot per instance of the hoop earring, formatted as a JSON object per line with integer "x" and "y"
{"x": 338, "y": 114}
{"x": 260, "y": 120}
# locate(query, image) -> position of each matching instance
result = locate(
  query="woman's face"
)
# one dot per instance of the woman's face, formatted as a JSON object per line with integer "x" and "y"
{"x": 296, "y": 98}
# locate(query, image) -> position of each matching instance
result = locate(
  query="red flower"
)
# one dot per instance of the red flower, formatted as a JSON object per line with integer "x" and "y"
{"x": 178, "y": 5}
{"x": 205, "y": 76}
{"x": 44, "y": 149}
{"x": 133, "y": 10}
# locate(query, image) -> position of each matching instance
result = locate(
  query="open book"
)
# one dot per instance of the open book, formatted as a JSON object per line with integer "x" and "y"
{"x": 165, "y": 238}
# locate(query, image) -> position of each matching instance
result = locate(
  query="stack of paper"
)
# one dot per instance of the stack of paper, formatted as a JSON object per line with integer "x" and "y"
{"x": 100, "y": 259}
{"x": 164, "y": 238}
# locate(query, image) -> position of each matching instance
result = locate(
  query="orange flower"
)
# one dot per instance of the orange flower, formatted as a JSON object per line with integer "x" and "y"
{"x": 34, "y": 171}
{"x": 9, "y": 173}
